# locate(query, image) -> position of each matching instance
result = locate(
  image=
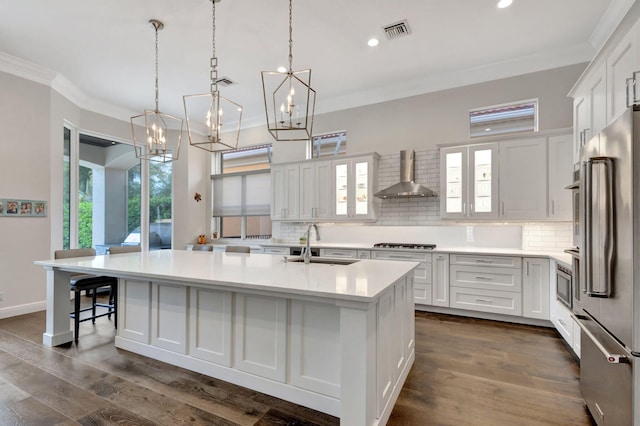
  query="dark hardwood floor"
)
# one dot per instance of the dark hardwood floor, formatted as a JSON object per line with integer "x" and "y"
{"x": 467, "y": 372}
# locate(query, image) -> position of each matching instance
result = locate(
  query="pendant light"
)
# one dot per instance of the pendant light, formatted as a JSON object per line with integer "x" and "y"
{"x": 151, "y": 129}
{"x": 289, "y": 100}
{"x": 205, "y": 112}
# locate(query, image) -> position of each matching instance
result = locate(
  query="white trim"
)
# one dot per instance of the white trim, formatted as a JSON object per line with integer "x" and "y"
{"x": 24, "y": 69}
{"x": 29, "y": 308}
{"x": 609, "y": 21}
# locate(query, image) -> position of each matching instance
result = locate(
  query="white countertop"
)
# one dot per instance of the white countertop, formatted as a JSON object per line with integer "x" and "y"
{"x": 362, "y": 281}
{"x": 496, "y": 251}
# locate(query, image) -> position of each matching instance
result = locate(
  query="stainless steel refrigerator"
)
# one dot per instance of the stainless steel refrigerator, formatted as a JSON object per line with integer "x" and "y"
{"x": 607, "y": 306}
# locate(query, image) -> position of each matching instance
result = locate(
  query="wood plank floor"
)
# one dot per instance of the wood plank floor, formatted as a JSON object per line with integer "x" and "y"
{"x": 467, "y": 372}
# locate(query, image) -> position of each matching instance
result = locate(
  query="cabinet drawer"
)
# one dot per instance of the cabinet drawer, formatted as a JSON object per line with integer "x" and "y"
{"x": 562, "y": 321}
{"x": 340, "y": 253}
{"x": 498, "y": 302}
{"x": 277, "y": 250}
{"x": 422, "y": 293}
{"x": 401, "y": 255}
{"x": 501, "y": 279}
{"x": 500, "y": 261}
{"x": 364, "y": 254}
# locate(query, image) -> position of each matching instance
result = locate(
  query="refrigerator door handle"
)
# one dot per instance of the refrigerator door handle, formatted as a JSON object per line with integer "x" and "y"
{"x": 609, "y": 220}
{"x": 611, "y": 358}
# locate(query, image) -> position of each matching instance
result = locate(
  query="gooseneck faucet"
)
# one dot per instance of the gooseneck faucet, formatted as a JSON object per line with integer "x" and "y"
{"x": 307, "y": 252}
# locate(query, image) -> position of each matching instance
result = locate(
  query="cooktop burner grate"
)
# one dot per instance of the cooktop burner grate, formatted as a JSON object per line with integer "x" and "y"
{"x": 405, "y": 246}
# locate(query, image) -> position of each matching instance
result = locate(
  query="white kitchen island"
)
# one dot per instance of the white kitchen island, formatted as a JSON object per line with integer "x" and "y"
{"x": 336, "y": 338}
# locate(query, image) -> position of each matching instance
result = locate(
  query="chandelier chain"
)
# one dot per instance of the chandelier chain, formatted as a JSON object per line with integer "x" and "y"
{"x": 155, "y": 26}
{"x": 290, "y": 35}
{"x": 214, "y": 60}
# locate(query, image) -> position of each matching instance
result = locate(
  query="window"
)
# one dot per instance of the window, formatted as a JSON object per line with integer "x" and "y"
{"x": 66, "y": 192}
{"x": 242, "y": 193}
{"x": 328, "y": 145}
{"x": 515, "y": 117}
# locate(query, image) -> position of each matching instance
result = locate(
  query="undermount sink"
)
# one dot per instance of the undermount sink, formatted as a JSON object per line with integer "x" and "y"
{"x": 324, "y": 260}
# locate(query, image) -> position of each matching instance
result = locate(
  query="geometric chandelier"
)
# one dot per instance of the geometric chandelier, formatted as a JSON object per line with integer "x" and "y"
{"x": 150, "y": 129}
{"x": 213, "y": 121}
{"x": 289, "y": 100}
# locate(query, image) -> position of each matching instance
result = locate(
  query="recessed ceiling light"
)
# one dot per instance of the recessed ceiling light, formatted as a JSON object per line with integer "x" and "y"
{"x": 504, "y": 3}
{"x": 373, "y": 42}
{"x": 488, "y": 129}
{"x": 282, "y": 69}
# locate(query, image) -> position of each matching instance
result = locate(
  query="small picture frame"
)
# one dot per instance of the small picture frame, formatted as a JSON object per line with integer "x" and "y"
{"x": 13, "y": 207}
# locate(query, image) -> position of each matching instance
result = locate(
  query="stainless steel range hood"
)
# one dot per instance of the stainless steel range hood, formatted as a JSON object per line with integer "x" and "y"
{"x": 406, "y": 188}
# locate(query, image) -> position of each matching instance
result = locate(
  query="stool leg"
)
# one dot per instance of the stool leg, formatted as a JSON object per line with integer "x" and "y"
{"x": 93, "y": 305}
{"x": 76, "y": 314}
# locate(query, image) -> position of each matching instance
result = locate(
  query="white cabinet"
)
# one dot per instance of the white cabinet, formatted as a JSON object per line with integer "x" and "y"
{"x": 535, "y": 288}
{"x": 469, "y": 182}
{"x": 353, "y": 183}
{"x": 490, "y": 284}
{"x": 523, "y": 179}
{"x": 621, "y": 64}
{"x": 315, "y": 190}
{"x": 339, "y": 253}
{"x": 589, "y": 107}
{"x": 560, "y": 175}
{"x": 422, "y": 275}
{"x": 285, "y": 190}
{"x": 440, "y": 280}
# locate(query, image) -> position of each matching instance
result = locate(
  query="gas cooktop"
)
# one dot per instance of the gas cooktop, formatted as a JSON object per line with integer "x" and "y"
{"x": 405, "y": 246}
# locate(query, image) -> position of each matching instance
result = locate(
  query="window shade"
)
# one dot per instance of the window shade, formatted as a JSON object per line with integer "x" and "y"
{"x": 242, "y": 194}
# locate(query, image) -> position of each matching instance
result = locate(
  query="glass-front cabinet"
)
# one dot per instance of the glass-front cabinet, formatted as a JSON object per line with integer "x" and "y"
{"x": 353, "y": 180}
{"x": 469, "y": 183}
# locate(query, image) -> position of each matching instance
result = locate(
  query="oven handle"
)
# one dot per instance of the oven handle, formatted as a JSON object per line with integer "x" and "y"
{"x": 611, "y": 358}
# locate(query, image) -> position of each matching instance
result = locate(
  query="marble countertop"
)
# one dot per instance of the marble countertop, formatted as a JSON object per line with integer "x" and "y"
{"x": 362, "y": 281}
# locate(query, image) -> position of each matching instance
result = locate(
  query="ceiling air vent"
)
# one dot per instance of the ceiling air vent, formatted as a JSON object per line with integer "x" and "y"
{"x": 225, "y": 82}
{"x": 397, "y": 30}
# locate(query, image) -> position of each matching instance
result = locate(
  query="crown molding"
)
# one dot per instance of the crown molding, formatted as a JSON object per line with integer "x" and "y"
{"x": 25, "y": 69}
{"x": 609, "y": 21}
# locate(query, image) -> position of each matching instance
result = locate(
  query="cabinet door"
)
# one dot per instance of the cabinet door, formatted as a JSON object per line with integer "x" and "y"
{"x": 581, "y": 123}
{"x": 322, "y": 190}
{"x": 523, "y": 179}
{"x": 285, "y": 188}
{"x": 362, "y": 189}
{"x": 353, "y": 189}
{"x": 535, "y": 288}
{"x": 340, "y": 181}
{"x": 621, "y": 64}
{"x": 440, "y": 282}
{"x": 453, "y": 187}
{"x": 597, "y": 93}
{"x": 560, "y": 175}
{"x": 307, "y": 190}
{"x": 483, "y": 182}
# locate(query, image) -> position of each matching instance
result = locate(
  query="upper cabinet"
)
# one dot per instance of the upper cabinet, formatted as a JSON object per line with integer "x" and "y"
{"x": 353, "y": 188}
{"x": 285, "y": 191}
{"x": 324, "y": 190}
{"x": 622, "y": 62}
{"x": 523, "y": 179}
{"x": 469, "y": 184}
{"x": 609, "y": 85}
{"x": 520, "y": 179}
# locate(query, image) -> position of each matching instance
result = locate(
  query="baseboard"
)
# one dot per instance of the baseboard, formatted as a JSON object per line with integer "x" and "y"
{"x": 485, "y": 315}
{"x": 29, "y": 308}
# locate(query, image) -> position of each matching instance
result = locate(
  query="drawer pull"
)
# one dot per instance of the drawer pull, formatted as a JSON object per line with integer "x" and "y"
{"x": 561, "y": 321}
{"x": 484, "y": 300}
{"x": 484, "y": 278}
{"x": 483, "y": 261}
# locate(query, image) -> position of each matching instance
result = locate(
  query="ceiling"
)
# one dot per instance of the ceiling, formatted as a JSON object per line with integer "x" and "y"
{"x": 100, "y": 54}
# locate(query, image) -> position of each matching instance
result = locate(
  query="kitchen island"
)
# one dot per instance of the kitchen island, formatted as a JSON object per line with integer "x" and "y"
{"x": 336, "y": 338}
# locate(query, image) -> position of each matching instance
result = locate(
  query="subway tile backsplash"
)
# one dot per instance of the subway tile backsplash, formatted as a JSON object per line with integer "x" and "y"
{"x": 536, "y": 236}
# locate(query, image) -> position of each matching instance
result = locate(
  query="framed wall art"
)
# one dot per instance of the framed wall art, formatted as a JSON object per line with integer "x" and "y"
{"x": 12, "y": 207}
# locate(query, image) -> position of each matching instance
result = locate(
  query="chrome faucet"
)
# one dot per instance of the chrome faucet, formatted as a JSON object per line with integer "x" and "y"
{"x": 307, "y": 252}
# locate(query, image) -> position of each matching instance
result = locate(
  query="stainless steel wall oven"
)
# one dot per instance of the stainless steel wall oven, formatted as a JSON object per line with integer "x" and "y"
{"x": 564, "y": 285}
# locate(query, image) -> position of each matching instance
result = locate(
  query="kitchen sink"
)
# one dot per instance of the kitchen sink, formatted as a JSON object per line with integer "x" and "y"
{"x": 324, "y": 260}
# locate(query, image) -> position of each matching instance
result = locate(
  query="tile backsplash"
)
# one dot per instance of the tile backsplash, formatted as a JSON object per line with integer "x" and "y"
{"x": 413, "y": 212}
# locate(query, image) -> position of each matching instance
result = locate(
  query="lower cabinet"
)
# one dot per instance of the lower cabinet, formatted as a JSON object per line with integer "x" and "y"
{"x": 440, "y": 280}
{"x": 535, "y": 288}
{"x": 423, "y": 293}
{"x": 486, "y": 283}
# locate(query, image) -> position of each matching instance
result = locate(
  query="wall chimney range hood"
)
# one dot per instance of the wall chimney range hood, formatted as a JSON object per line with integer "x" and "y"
{"x": 406, "y": 188}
